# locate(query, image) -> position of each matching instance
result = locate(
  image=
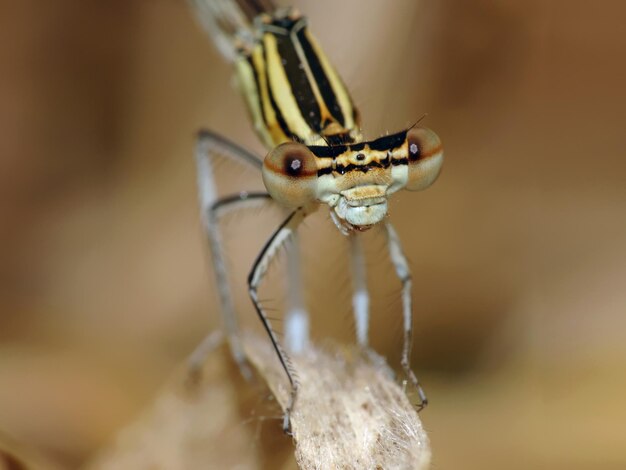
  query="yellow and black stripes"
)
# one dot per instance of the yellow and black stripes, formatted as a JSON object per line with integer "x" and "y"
{"x": 381, "y": 153}
{"x": 292, "y": 91}
{"x": 296, "y": 174}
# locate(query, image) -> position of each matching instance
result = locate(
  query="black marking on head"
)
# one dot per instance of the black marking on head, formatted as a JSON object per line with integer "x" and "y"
{"x": 385, "y": 144}
{"x": 343, "y": 169}
{"x": 382, "y": 164}
{"x": 400, "y": 161}
{"x": 388, "y": 142}
{"x": 385, "y": 162}
{"x": 328, "y": 151}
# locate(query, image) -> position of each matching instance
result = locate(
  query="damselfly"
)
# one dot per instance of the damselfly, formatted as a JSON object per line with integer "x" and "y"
{"x": 317, "y": 156}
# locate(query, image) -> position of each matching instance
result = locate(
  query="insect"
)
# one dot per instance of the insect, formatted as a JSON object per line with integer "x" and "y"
{"x": 317, "y": 156}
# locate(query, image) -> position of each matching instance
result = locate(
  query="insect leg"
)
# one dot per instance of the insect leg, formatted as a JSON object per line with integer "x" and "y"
{"x": 360, "y": 295}
{"x": 402, "y": 270}
{"x": 209, "y": 147}
{"x": 211, "y": 226}
{"x": 296, "y": 318}
{"x": 260, "y": 267}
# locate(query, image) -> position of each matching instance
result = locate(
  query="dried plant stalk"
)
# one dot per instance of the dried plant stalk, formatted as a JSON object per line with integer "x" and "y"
{"x": 350, "y": 414}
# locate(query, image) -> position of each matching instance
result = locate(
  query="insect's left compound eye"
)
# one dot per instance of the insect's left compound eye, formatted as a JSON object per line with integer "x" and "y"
{"x": 290, "y": 174}
{"x": 425, "y": 158}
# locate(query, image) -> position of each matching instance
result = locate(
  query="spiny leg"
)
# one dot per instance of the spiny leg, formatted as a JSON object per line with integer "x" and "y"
{"x": 259, "y": 269}
{"x": 209, "y": 147}
{"x": 360, "y": 295}
{"x": 212, "y": 217}
{"x": 402, "y": 270}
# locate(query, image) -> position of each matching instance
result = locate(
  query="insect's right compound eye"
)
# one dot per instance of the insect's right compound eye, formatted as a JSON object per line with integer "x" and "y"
{"x": 290, "y": 174}
{"x": 425, "y": 155}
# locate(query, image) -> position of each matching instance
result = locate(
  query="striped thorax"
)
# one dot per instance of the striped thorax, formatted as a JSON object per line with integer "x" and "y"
{"x": 293, "y": 92}
{"x": 299, "y": 104}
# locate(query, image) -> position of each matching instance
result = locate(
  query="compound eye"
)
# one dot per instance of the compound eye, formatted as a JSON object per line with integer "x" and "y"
{"x": 290, "y": 174}
{"x": 425, "y": 155}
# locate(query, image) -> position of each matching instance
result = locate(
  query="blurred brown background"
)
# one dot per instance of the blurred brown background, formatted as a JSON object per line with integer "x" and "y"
{"x": 518, "y": 251}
